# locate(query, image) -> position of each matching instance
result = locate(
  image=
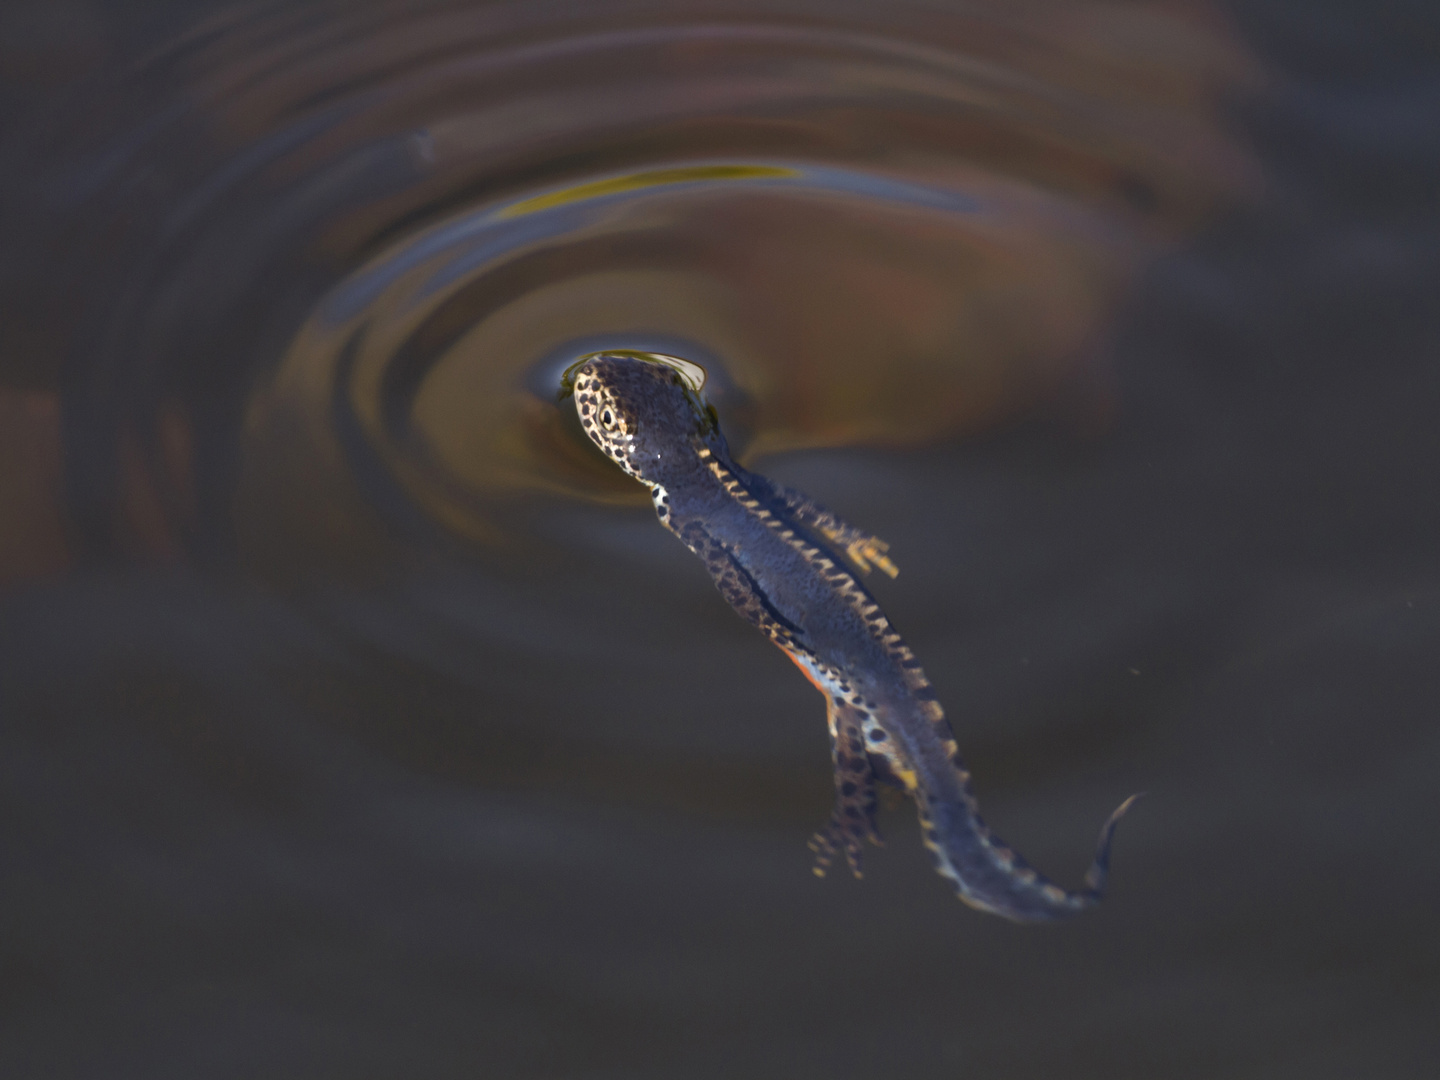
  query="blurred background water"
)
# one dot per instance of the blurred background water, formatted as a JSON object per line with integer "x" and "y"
{"x": 358, "y": 720}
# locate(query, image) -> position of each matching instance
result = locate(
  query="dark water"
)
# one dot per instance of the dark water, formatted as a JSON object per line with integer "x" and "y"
{"x": 357, "y": 720}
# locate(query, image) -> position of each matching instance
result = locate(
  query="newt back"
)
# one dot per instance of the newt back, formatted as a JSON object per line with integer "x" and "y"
{"x": 775, "y": 556}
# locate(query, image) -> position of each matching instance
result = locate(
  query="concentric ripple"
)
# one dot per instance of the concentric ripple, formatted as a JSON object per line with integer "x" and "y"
{"x": 358, "y": 255}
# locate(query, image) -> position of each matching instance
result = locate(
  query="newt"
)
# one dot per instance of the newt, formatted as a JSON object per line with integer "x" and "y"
{"x": 775, "y": 555}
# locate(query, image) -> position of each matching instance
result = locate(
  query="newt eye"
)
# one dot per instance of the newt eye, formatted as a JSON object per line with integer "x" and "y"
{"x": 607, "y": 418}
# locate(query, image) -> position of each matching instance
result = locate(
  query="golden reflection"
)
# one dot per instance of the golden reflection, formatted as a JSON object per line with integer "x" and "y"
{"x": 639, "y": 181}
{"x": 916, "y": 233}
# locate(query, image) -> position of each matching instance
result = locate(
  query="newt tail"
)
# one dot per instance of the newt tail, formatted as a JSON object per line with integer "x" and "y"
{"x": 990, "y": 877}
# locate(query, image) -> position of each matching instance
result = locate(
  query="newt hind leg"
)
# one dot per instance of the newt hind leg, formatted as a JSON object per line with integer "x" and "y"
{"x": 853, "y": 820}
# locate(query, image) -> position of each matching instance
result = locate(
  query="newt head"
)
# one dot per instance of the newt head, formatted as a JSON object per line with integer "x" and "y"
{"x": 643, "y": 410}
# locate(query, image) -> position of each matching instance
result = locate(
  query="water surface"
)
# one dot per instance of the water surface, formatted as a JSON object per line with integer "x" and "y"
{"x": 358, "y": 717}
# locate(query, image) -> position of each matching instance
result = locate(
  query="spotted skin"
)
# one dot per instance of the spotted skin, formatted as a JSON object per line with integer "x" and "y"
{"x": 766, "y": 548}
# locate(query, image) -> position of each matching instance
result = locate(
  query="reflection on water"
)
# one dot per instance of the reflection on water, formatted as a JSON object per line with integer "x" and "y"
{"x": 351, "y": 232}
{"x": 361, "y": 719}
